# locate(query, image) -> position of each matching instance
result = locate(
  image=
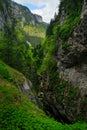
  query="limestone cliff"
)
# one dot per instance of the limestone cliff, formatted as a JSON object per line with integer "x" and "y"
{"x": 24, "y": 14}
{"x": 13, "y": 77}
{"x": 10, "y": 10}
{"x": 26, "y": 88}
{"x": 72, "y": 67}
{"x": 66, "y": 98}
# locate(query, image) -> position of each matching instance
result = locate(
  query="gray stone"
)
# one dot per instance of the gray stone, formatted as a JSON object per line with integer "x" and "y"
{"x": 68, "y": 100}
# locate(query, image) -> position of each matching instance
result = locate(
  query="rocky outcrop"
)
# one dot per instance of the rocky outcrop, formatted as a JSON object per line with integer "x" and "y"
{"x": 4, "y": 13}
{"x": 72, "y": 59}
{"x": 26, "y": 88}
{"x": 24, "y": 14}
{"x": 67, "y": 99}
{"x": 39, "y": 18}
{"x": 1, "y": 21}
{"x": 72, "y": 67}
{"x": 10, "y": 10}
{"x": 63, "y": 16}
{"x": 84, "y": 9}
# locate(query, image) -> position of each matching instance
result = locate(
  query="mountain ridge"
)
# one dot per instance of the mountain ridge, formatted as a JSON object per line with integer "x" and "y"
{"x": 21, "y": 13}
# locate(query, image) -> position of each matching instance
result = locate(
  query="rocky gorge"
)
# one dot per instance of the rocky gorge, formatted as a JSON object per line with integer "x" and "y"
{"x": 66, "y": 99}
{"x": 54, "y": 71}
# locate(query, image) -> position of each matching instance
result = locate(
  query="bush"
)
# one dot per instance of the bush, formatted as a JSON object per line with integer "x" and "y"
{"x": 5, "y": 73}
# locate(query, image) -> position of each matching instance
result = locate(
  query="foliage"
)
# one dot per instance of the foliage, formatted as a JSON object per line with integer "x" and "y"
{"x": 65, "y": 45}
{"x": 10, "y": 74}
{"x": 56, "y": 32}
{"x": 4, "y": 73}
{"x": 49, "y": 47}
{"x": 7, "y": 36}
{"x": 23, "y": 50}
{"x": 17, "y": 113}
{"x": 18, "y": 47}
{"x": 49, "y": 30}
{"x": 35, "y": 34}
{"x": 73, "y": 11}
{"x": 73, "y": 92}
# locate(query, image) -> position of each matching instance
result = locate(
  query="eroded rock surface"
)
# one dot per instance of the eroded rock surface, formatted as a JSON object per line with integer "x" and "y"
{"x": 67, "y": 101}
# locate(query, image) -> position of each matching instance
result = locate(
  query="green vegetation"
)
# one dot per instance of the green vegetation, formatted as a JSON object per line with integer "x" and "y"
{"x": 18, "y": 44}
{"x": 73, "y": 11}
{"x": 56, "y": 34}
{"x": 65, "y": 45}
{"x": 17, "y": 112}
{"x": 73, "y": 92}
{"x": 34, "y": 34}
{"x": 4, "y": 73}
{"x": 10, "y": 74}
{"x": 21, "y": 48}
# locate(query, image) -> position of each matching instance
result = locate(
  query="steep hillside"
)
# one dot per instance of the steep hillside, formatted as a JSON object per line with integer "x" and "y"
{"x": 24, "y": 15}
{"x": 16, "y": 110}
{"x": 15, "y": 16}
{"x": 32, "y": 24}
{"x": 63, "y": 83}
{"x": 35, "y": 34}
{"x": 21, "y": 13}
{"x": 52, "y": 72}
{"x": 21, "y": 33}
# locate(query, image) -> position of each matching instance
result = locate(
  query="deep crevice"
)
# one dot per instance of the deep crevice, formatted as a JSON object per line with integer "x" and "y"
{"x": 53, "y": 112}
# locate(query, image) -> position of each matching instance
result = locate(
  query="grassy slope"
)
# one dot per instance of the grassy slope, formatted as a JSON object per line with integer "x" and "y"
{"x": 35, "y": 34}
{"x": 18, "y": 113}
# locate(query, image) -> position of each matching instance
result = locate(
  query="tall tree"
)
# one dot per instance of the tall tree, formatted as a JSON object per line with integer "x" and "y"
{"x": 9, "y": 30}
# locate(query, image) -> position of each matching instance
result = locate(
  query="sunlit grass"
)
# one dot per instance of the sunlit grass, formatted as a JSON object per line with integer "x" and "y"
{"x": 35, "y": 31}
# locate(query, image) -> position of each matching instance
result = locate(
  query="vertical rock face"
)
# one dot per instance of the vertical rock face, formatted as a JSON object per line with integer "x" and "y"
{"x": 3, "y": 14}
{"x": 72, "y": 67}
{"x": 67, "y": 101}
{"x": 26, "y": 89}
{"x": 84, "y": 9}
{"x": 74, "y": 57}
{"x": 63, "y": 17}
{"x": 39, "y": 18}
{"x": 21, "y": 14}
{"x": 1, "y": 21}
{"x": 24, "y": 14}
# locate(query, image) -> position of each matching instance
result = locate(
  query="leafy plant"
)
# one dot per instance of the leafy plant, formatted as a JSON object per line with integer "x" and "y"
{"x": 65, "y": 45}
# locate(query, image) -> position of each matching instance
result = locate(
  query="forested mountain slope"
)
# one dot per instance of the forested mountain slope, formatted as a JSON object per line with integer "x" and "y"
{"x": 21, "y": 33}
{"x": 17, "y": 112}
{"x": 64, "y": 68}
{"x": 53, "y": 70}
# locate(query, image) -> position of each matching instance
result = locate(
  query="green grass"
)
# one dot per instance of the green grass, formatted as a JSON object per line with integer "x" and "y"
{"x": 73, "y": 11}
{"x": 4, "y": 73}
{"x": 18, "y": 113}
{"x": 35, "y": 34}
{"x": 10, "y": 74}
{"x": 35, "y": 31}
